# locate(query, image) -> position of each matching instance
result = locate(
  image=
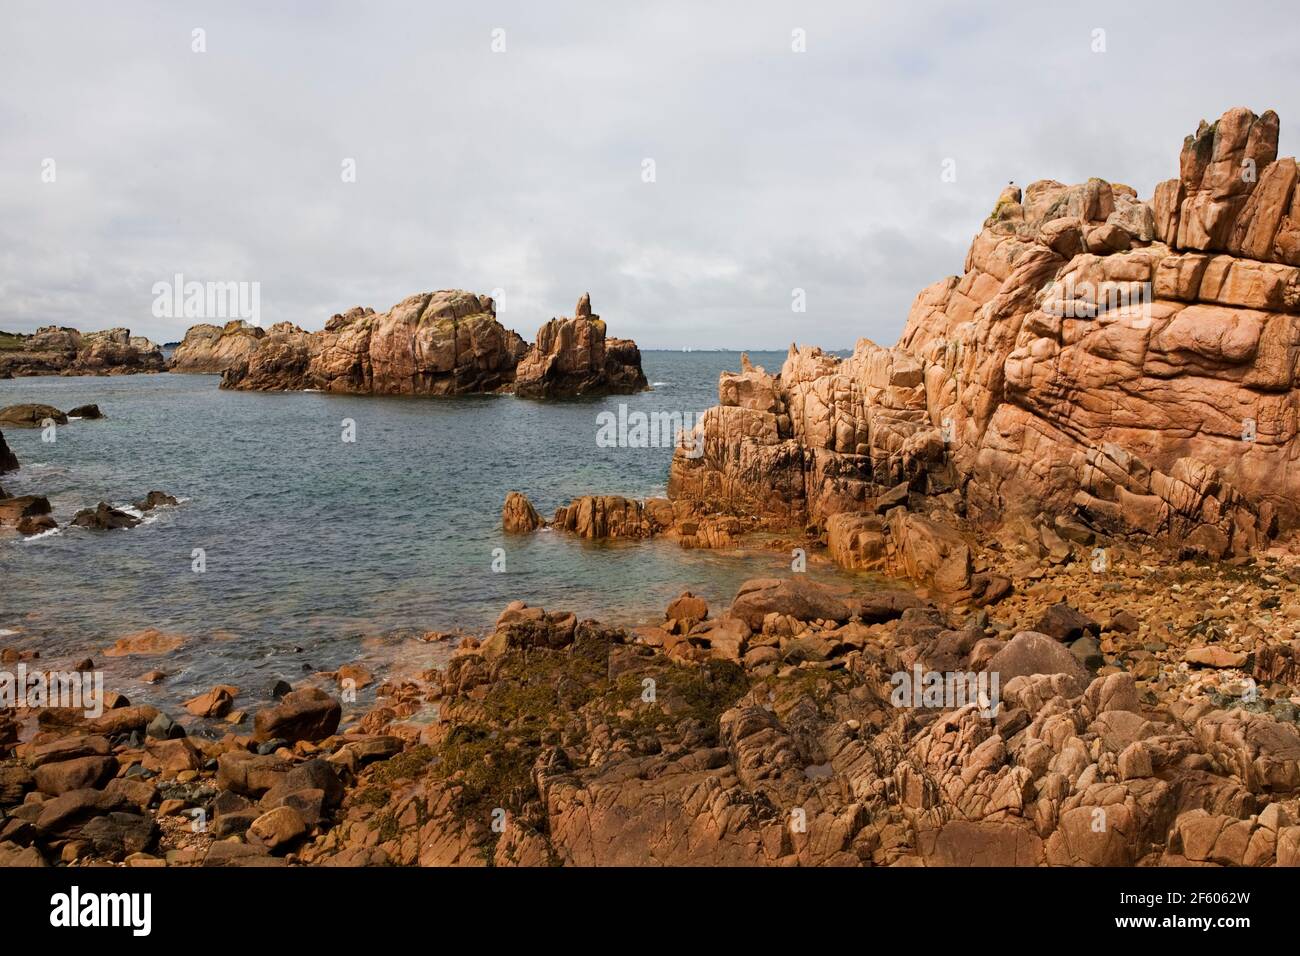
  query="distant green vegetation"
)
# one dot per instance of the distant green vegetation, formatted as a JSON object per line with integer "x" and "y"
{"x": 9, "y": 341}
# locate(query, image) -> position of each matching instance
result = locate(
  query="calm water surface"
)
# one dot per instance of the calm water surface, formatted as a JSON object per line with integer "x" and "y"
{"x": 319, "y": 552}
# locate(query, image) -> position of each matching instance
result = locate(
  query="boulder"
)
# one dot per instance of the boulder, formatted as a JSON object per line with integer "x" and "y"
{"x": 214, "y": 703}
{"x": 104, "y": 517}
{"x": 1030, "y": 653}
{"x": 115, "y": 836}
{"x": 307, "y": 714}
{"x": 799, "y": 598}
{"x": 1065, "y": 624}
{"x": 146, "y": 642}
{"x": 518, "y": 516}
{"x": 31, "y": 416}
{"x": 277, "y": 828}
{"x": 686, "y": 607}
{"x": 24, "y": 508}
{"x": 155, "y": 499}
{"x": 79, "y": 773}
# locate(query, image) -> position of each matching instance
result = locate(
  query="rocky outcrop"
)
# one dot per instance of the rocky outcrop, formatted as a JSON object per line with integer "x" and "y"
{"x": 572, "y": 357}
{"x": 31, "y": 416}
{"x": 789, "y": 736}
{"x": 62, "y": 351}
{"x": 212, "y": 349}
{"x": 104, "y": 517}
{"x": 434, "y": 343}
{"x": 803, "y": 725}
{"x": 518, "y": 516}
{"x": 603, "y": 517}
{"x": 27, "y": 514}
{"x": 1128, "y": 365}
{"x": 8, "y": 460}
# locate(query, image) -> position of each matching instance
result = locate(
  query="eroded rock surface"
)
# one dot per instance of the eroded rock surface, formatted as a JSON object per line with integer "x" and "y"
{"x": 435, "y": 343}
{"x": 1129, "y": 365}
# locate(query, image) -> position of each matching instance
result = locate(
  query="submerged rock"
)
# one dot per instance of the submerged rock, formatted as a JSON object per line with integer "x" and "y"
{"x": 156, "y": 499}
{"x": 104, "y": 517}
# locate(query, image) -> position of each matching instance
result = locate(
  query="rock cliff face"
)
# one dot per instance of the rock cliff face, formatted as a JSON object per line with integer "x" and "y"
{"x": 572, "y": 357}
{"x": 212, "y": 349}
{"x": 435, "y": 343}
{"x": 1128, "y": 364}
{"x": 62, "y": 351}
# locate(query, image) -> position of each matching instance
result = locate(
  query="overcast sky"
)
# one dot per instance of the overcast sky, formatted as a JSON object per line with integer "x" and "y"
{"x": 523, "y": 170}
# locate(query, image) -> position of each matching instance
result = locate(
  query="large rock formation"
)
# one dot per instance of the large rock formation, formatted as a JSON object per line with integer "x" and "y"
{"x": 62, "y": 351}
{"x": 211, "y": 349}
{"x": 434, "y": 343}
{"x": 1129, "y": 364}
{"x": 572, "y": 357}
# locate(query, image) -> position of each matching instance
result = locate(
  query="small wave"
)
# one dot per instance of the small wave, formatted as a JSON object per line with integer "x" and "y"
{"x": 659, "y": 384}
{"x": 7, "y": 632}
{"x": 44, "y": 534}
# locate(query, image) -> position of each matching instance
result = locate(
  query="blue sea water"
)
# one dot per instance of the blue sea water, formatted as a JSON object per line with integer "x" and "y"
{"x": 318, "y": 551}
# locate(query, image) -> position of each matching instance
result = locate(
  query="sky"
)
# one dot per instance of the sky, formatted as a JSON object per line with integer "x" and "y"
{"x": 506, "y": 148}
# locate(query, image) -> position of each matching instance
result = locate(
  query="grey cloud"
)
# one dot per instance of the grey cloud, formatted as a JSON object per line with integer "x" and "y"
{"x": 521, "y": 171}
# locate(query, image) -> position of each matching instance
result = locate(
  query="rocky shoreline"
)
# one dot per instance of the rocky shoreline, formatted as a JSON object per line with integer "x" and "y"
{"x": 1074, "y": 465}
{"x": 1143, "y": 720}
{"x": 31, "y": 515}
{"x": 61, "y": 351}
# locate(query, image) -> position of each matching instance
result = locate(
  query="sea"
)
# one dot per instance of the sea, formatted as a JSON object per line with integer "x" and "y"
{"x": 294, "y": 550}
